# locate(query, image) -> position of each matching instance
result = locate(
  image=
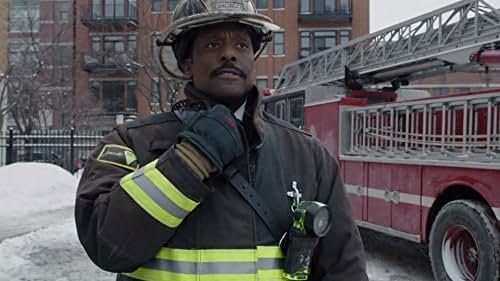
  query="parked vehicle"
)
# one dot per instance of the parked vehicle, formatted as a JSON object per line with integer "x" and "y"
{"x": 422, "y": 168}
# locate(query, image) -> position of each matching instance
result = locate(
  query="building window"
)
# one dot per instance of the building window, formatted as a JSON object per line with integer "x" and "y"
{"x": 113, "y": 46}
{"x": 279, "y": 43}
{"x": 262, "y": 83}
{"x": 344, "y": 6}
{"x": 305, "y": 7}
{"x": 132, "y": 46}
{"x": 65, "y": 55}
{"x": 262, "y": 4}
{"x": 24, "y": 16}
{"x": 64, "y": 12}
{"x": 279, "y": 4}
{"x": 95, "y": 90}
{"x": 316, "y": 41}
{"x": 324, "y": 40}
{"x": 23, "y": 52}
{"x": 113, "y": 96}
{"x": 132, "y": 8}
{"x": 114, "y": 8}
{"x": 345, "y": 36}
{"x": 96, "y": 46}
{"x": 172, "y": 4}
{"x": 305, "y": 44}
{"x": 131, "y": 105}
{"x": 157, "y": 6}
{"x": 324, "y": 6}
{"x": 96, "y": 9}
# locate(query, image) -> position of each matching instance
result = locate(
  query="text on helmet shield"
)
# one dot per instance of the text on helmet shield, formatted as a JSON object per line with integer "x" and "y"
{"x": 219, "y": 5}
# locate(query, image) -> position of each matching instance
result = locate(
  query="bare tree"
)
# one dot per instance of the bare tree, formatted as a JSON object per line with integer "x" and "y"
{"x": 4, "y": 105}
{"x": 154, "y": 85}
{"x": 40, "y": 71}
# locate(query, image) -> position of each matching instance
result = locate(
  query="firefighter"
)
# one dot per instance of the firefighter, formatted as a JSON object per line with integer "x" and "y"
{"x": 206, "y": 192}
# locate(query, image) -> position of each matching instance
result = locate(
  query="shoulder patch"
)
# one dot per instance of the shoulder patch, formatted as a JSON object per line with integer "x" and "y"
{"x": 118, "y": 155}
{"x": 153, "y": 119}
{"x": 268, "y": 117}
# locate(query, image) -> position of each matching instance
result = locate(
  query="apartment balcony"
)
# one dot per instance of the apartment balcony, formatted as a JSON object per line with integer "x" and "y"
{"x": 106, "y": 121}
{"x": 114, "y": 16}
{"x": 325, "y": 15}
{"x": 120, "y": 63}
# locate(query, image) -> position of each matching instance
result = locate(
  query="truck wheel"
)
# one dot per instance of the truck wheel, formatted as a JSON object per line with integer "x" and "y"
{"x": 464, "y": 243}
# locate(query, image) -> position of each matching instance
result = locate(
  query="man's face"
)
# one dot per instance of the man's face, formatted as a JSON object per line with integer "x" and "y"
{"x": 222, "y": 63}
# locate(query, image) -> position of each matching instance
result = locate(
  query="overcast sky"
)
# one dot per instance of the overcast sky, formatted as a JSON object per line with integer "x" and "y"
{"x": 385, "y": 13}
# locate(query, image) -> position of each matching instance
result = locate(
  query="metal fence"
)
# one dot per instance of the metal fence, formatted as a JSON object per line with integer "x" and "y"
{"x": 66, "y": 148}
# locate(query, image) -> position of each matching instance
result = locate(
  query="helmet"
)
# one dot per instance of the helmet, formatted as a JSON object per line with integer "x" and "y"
{"x": 193, "y": 14}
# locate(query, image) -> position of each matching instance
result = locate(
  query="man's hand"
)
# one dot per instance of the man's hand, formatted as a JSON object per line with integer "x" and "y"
{"x": 214, "y": 133}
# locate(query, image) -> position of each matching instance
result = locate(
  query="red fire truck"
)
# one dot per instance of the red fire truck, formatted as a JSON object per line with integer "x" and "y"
{"x": 422, "y": 168}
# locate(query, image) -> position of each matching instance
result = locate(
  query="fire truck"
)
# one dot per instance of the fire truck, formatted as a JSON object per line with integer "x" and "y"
{"x": 422, "y": 168}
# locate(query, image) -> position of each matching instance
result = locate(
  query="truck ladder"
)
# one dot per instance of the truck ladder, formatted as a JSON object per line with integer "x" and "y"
{"x": 458, "y": 128}
{"x": 430, "y": 44}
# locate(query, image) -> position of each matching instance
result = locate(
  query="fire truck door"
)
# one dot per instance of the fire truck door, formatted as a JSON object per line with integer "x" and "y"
{"x": 405, "y": 197}
{"x": 353, "y": 173}
{"x": 379, "y": 194}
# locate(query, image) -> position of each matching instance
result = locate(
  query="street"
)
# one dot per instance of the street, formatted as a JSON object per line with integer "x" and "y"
{"x": 54, "y": 253}
{"x": 38, "y": 240}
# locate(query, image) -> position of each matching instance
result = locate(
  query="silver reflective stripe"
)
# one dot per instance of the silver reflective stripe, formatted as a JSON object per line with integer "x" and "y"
{"x": 152, "y": 191}
{"x": 268, "y": 264}
{"x": 171, "y": 266}
{"x": 214, "y": 267}
{"x": 202, "y": 268}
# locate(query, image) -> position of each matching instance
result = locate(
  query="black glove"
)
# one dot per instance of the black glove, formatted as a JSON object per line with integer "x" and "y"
{"x": 214, "y": 133}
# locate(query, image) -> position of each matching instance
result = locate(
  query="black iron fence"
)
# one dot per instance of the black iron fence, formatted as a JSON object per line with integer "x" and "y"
{"x": 66, "y": 148}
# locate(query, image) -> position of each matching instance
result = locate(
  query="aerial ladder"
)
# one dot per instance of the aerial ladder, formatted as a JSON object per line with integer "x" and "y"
{"x": 452, "y": 38}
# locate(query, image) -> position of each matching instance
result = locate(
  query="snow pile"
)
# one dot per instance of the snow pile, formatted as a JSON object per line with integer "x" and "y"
{"x": 51, "y": 254}
{"x": 29, "y": 188}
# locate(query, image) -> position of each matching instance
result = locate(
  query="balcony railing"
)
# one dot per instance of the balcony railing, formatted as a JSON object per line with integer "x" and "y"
{"x": 113, "y": 15}
{"x": 325, "y": 15}
{"x": 110, "y": 62}
{"x": 107, "y": 120}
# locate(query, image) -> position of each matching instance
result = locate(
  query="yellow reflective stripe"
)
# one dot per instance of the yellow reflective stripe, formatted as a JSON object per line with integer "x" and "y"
{"x": 209, "y": 255}
{"x": 228, "y": 256}
{"x": 271, "y": 252}
{"x": 147, "y": 203}
{"x": 270, "y": 275}
{"x": 227, "y": 277}
{"x": 158, "y": 275}
{"x": 264, "y": 263}
{"x": 167, "y": 188}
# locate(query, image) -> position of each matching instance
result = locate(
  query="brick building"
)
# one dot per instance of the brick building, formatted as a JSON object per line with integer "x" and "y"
{"x": 4, "y": 25}
{"x": 117, "y": 78}
{"x": 40, "y": 53}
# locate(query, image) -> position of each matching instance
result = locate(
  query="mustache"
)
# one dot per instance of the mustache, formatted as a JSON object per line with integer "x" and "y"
{"x": 229, "y": 65}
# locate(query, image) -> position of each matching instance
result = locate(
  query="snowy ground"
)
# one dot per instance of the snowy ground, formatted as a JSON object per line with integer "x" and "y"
{"x": 38, "y": 239}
